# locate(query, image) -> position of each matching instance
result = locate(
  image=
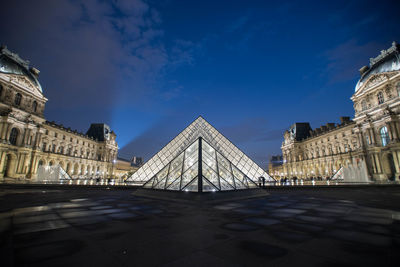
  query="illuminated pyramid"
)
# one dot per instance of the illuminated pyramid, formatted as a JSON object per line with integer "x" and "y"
{"x": 200, "y": 159}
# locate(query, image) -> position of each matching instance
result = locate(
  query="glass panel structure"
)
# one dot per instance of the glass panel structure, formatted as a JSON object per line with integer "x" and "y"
{"x": 200, "y": 159}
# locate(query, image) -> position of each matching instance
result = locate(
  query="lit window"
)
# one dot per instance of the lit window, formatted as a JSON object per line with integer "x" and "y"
{"x": 384, "y": 136}
{"x": 18, "y": 98}
{"x": 380, "y": 98}
{"x": 14, "y": 136}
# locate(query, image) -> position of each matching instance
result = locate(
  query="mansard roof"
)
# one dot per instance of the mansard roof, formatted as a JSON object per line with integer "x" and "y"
{"x": 11, "y": 63}
{"x": 387, "y": 61}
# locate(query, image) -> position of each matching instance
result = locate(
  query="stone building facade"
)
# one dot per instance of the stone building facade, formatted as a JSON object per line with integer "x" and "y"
{"x": 27, "y": 140}
{"x": 372, "y": 136}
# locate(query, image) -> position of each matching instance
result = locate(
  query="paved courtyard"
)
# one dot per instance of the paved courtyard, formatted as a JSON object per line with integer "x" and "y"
{"x": 70, "y": 226}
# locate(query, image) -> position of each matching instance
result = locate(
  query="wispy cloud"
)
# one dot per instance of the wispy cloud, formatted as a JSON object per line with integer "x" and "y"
{"x": 87, "y": 49}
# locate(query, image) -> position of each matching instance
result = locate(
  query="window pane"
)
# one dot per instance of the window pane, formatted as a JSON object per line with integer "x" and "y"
{"x": 210, "y": 175}
{"x": 189, "y": 175}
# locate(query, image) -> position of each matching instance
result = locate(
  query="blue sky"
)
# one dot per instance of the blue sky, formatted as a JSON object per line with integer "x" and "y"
{"x": 149, "y": 68}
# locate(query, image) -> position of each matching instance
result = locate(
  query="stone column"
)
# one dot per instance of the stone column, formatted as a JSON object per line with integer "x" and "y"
{"x": 394, "y": 131}
{"x": 38, "y": 140}
{"x": 4, "y": 133}
{"x": 378, "y": 164}
{"x": 389, "y": 127}
{"x": 396, "y": 161}
{"x": 26, "y": 136}
{"x": 3, "y": 155}
{"x": 373, "y": 164}
{"x": 372, "y": 136}
{"x": 2, "y": 126}
{"x": 9, "y": 132}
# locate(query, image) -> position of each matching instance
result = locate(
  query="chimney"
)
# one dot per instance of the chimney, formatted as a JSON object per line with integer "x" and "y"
{"x": 324, "y": 128}
{"x": 363, "y": 70}
{"x": 330, "y": 125}
{"x": 35, "y": 71}
{"x": 344, "y": 120}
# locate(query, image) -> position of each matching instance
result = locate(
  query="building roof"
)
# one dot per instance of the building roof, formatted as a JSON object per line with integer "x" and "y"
{"x": 11, "y": 63}
{"x": 387, "y": 61}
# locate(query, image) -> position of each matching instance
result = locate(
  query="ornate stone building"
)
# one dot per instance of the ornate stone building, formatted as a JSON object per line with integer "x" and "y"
{"x": 371, "y": 137}
{"x": 27, "y": 140}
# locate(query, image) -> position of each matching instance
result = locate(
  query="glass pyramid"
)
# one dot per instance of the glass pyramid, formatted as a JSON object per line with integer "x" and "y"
{"x": 200, "y": 151}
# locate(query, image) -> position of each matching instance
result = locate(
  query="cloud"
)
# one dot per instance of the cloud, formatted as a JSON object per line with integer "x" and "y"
{"x": 91, "y": 53}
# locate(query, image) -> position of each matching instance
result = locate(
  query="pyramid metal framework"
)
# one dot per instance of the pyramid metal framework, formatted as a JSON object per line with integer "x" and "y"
{"x": 200, "y": 151}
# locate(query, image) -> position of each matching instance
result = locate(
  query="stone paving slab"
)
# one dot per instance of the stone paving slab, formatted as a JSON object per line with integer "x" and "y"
{"x": 96, "y": 227}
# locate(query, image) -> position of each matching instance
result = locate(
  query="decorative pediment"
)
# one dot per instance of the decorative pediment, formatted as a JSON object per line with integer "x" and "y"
{"x": 374, "y": 80}
{"x": 25, "y": 83}
{"x": 22, "y": 82}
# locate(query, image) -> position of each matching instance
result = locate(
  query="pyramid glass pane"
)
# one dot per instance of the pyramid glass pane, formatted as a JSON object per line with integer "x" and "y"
{"x": 149, "y": 183}
{"x": 192, "y": 186}
{"x": 226, "y": 175}
{"x": 223, "y": 161}
{"x": 176, "y": 165}
{"x": 225, "y": 185}
{"x": 239, "y": 184}
{"x": 207, "y": 186}
{"x": 210, "y": 175}
{"x": 160, "y": 184}
{"x": 189, "y": 175}
{"x": 210, "y": 161}
{"x": 174, "y": 185}
{"x": 191, "y": 155}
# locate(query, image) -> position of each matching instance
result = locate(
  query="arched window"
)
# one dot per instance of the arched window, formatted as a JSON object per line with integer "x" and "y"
{"x": 380, "y": 98}
{"x": 364, "y": 105}
{"x": 1, "y": 89}
{"x": 18, "y": 98}
{"x": 384, "y": 136}
{"x": 34, "y": 106}
{"x": 13, "y": 136}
